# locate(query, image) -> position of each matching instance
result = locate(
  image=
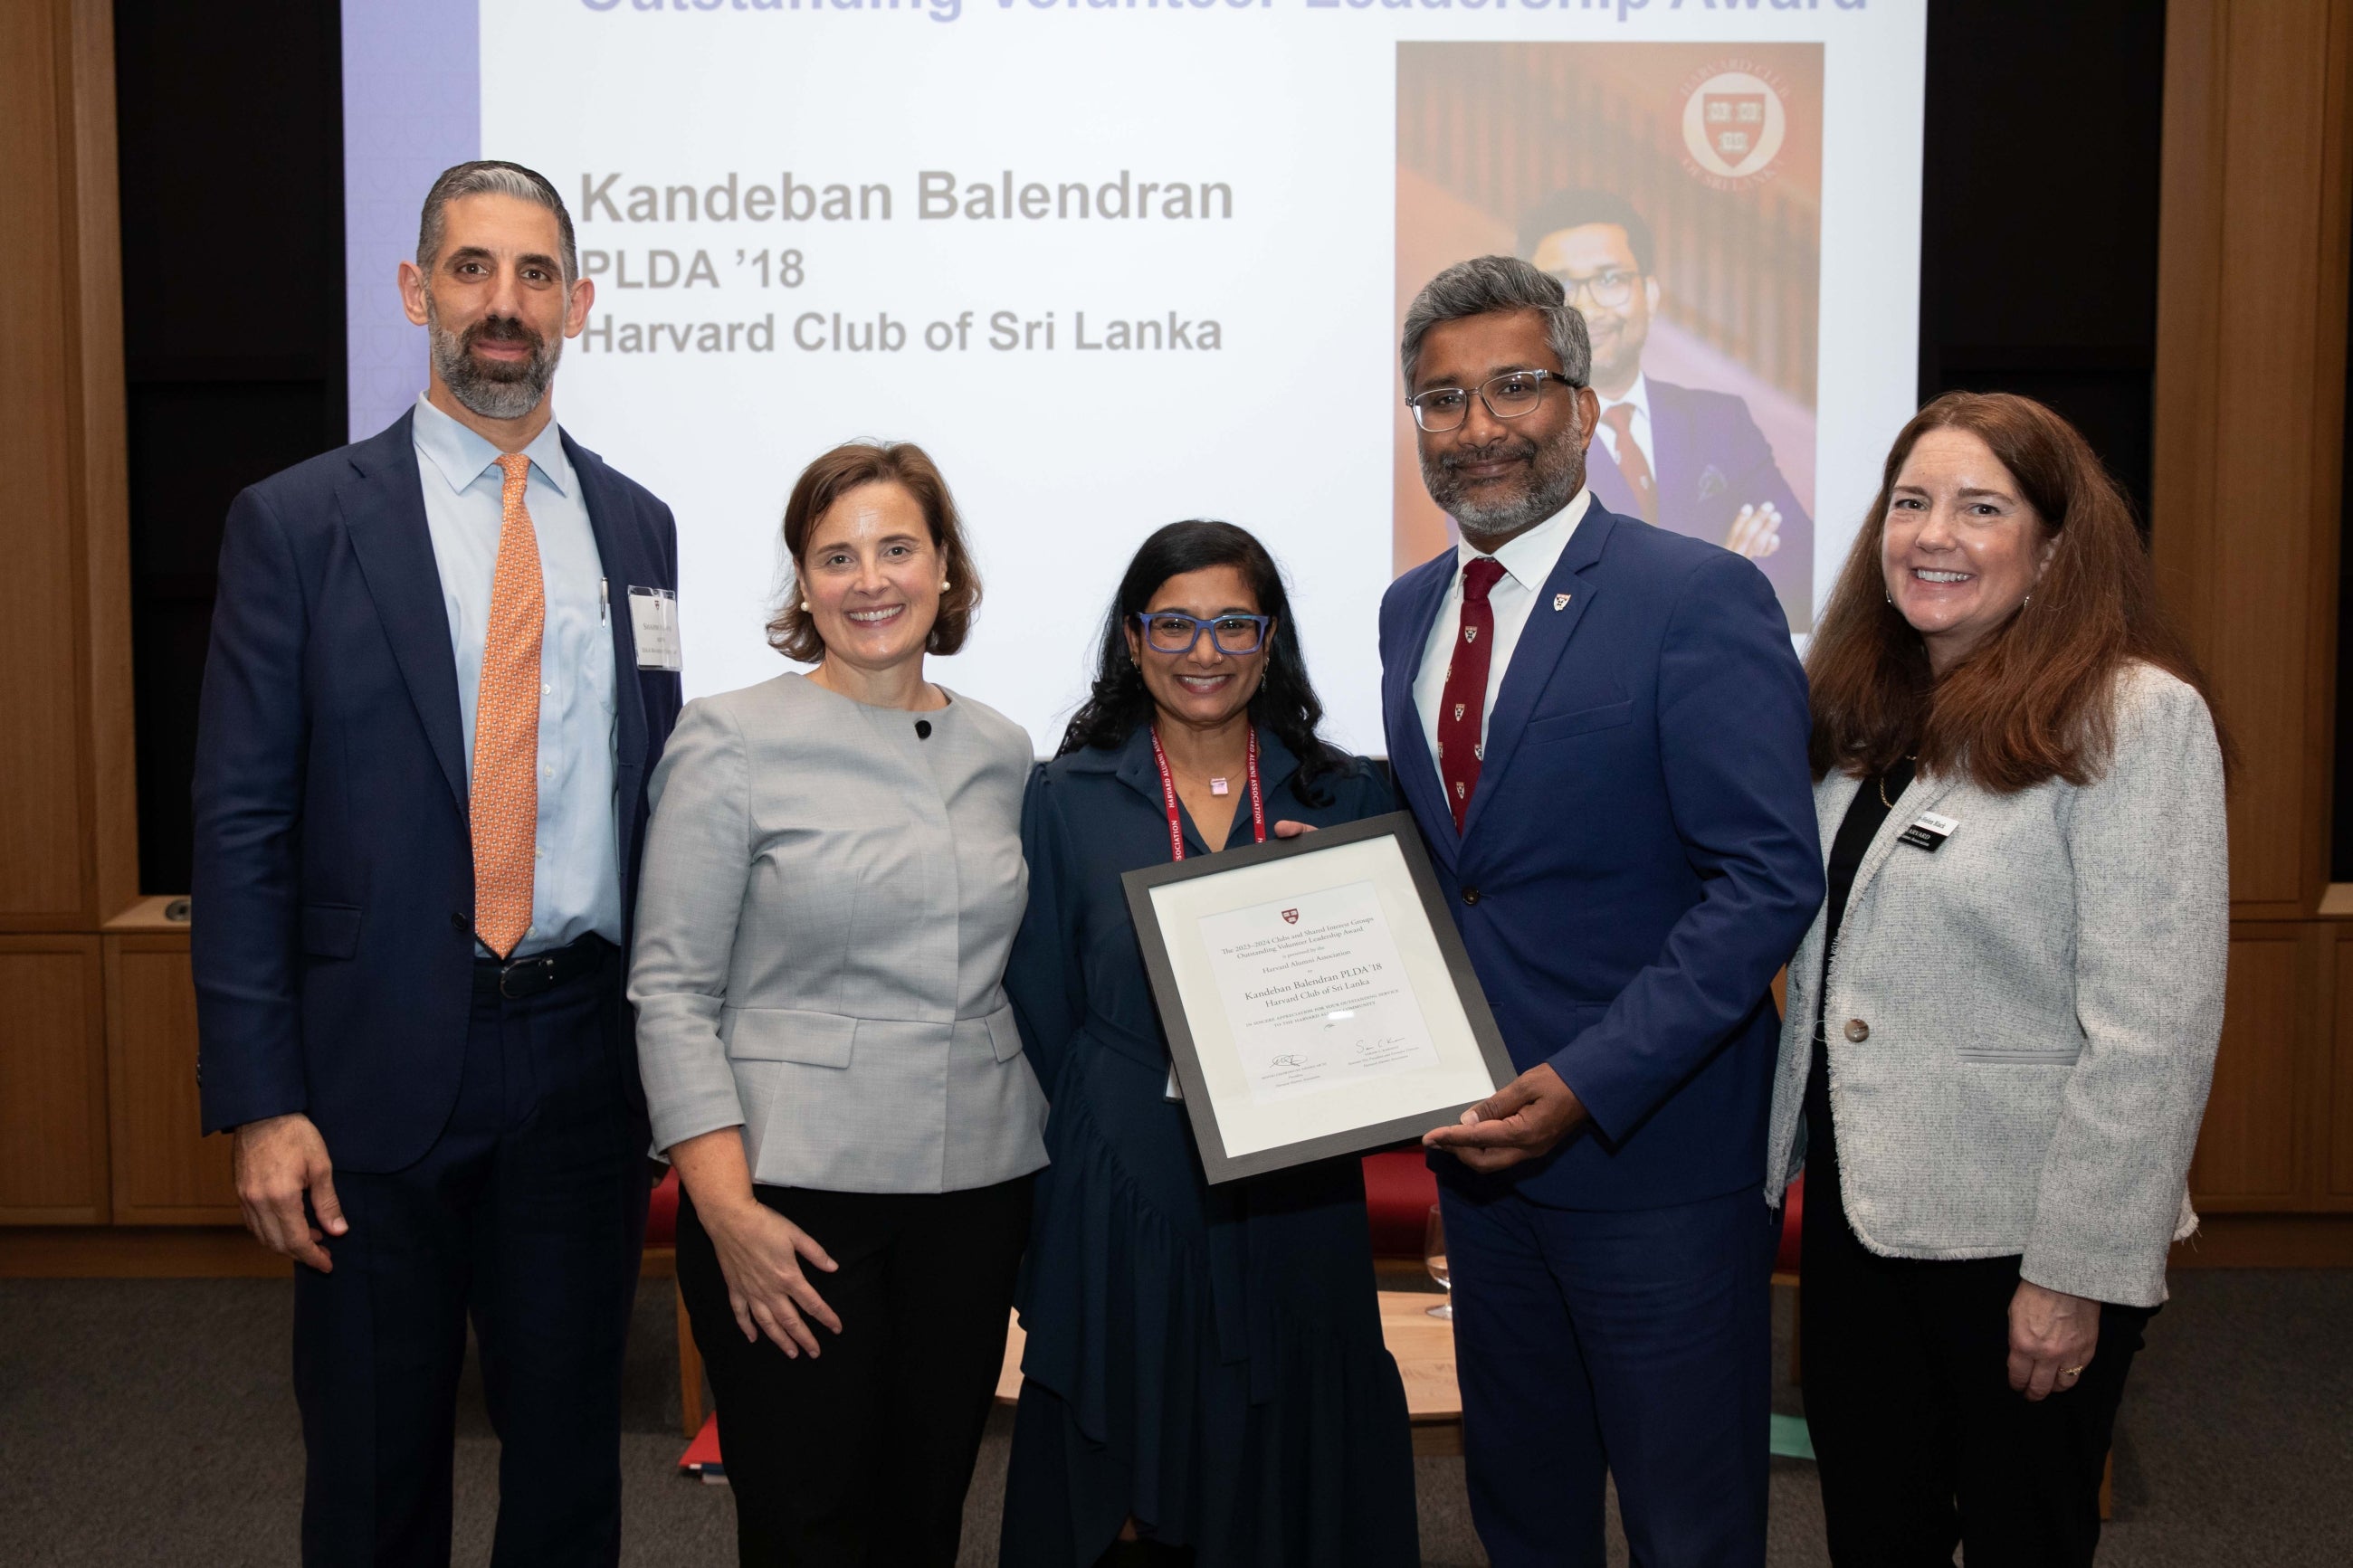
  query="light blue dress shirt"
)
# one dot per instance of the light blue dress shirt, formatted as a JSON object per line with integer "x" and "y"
{"x": 576, "y": 887}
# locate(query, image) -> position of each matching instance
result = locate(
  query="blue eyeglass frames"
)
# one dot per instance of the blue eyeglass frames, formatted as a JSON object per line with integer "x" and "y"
{"x": 1165, "y": 631}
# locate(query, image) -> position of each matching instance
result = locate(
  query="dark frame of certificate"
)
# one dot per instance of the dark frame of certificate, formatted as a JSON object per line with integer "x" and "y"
{"x": 1200, "y": 1105}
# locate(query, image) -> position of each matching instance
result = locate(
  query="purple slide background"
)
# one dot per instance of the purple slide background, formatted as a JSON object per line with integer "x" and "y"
{"x": 412, "y": 106}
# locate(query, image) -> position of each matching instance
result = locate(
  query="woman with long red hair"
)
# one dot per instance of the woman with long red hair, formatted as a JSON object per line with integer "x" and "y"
{"x": 2001, "y": 1029}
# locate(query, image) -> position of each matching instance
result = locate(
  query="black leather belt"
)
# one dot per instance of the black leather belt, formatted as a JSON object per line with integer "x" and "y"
{"x": 518, "y": 978}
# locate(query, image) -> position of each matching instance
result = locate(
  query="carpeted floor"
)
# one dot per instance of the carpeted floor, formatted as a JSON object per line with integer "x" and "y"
{"x": 152, "y": 1422}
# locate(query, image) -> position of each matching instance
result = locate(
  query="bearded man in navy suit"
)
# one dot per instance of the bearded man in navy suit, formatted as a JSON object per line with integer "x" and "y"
{"x": 420, "y": 780}
{"x": 1601, "y": 728}
{"x": 1690, "y": 461}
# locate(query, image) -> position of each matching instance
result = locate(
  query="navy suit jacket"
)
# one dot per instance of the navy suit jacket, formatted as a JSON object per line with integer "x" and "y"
{"x": 333, "y": 892}
{"x": 1640, "y": 855}
{"x": 1709, "y": 460}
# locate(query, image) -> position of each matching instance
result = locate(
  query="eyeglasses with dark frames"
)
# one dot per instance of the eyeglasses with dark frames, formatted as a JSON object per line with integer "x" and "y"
{"x": 1510, "y": 396}
{"x": 1609, "y": 287}
{"x": 1169, "y": 631}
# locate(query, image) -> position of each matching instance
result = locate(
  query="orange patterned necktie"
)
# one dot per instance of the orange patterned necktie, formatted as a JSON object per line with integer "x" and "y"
{"x": 506, "y": 726}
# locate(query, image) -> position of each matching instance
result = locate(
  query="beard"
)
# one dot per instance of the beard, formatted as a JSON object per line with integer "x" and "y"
{"x": 1555, "y": 474}
{"x": 489, "y": 388}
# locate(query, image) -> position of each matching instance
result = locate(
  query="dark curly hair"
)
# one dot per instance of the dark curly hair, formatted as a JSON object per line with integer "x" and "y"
{"x": 1285, "y": 702}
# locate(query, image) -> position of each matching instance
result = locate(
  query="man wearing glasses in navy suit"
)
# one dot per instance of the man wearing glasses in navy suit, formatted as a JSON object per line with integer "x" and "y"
{"x": 1601, "y": 728}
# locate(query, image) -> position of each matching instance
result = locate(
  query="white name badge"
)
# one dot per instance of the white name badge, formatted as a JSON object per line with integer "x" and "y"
{"x": 653, "y": 616}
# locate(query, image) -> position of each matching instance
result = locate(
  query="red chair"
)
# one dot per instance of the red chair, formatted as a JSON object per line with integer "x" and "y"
{"x": 1793, "y": 1214}
{"x": 661, "y": 1236}
{"x": 1399, "y": 1191}
{"x": 1785, "y": 1264}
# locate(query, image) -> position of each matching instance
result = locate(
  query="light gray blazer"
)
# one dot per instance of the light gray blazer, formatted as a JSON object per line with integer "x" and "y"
{"x": 2040, "y": 1000}
{"x": 825, "y": 911}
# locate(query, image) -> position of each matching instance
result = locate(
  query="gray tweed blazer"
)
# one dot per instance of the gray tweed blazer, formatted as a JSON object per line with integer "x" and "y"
{"x": 827, "y": 904}
{"x": 2021, "y": 1025}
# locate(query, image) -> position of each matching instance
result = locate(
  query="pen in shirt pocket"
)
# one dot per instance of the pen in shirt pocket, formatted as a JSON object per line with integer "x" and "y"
{"x": 604, "y": 600}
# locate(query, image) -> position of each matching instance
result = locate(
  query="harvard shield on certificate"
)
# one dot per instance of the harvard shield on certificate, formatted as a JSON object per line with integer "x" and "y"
{"x": 1316, "y": 996}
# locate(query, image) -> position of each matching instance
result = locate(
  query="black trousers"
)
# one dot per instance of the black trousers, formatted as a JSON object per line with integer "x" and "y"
{"x": 529, "y": 1213}
{"x": 862, "y": 1455}
{"x": 1920, "y": 1441}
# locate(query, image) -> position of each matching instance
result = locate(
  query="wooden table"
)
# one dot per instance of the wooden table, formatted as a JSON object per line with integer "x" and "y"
{"x": 1424, "y": 1348}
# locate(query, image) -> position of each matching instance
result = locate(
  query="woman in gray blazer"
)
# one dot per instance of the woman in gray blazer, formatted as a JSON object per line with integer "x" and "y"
{"x": 1994, "y": 1079}
{"x": 833, "y": 877}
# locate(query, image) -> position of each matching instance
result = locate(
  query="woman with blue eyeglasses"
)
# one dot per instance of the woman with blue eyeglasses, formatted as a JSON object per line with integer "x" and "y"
{"x": 1204, "y": 1380}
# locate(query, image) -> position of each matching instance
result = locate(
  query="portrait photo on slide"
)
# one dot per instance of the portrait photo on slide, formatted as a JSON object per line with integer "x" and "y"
{"x": 1675, "y": 190}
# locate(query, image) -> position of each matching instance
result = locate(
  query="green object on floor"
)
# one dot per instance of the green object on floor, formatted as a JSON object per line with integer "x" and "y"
{"x": 1791, "y": 1440}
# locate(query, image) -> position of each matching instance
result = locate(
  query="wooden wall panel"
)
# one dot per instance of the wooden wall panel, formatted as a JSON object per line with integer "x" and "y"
{"x": 2250, "y": 401}
{"x": 2249, "y": 1146}
{"x": 42, "y": 842}
{"x": 164, "y": 1172}
{"x": 52, "y": 1082}
{"x": 102, "y": 467}
{"x": 2253, "y": 229}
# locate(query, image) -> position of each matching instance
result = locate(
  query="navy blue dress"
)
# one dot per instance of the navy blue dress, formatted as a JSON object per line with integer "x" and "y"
{"x": 1207, "y": 1360}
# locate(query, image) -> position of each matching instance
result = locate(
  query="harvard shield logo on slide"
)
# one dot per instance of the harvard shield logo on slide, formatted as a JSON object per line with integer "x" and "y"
{"x": 1735, "y": 122}
{"x": 1291, "y": 917}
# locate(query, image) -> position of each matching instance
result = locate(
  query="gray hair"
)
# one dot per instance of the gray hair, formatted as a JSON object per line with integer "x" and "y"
{"x": 490, "y": 177}
{"x": 1490, "y": 285}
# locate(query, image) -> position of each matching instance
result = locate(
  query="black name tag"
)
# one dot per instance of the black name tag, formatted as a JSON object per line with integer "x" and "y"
{"x": 1928, "y": 831}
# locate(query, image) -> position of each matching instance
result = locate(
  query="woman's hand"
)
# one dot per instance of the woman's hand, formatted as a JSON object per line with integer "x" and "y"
{"x": 760, "y": 1250}
{"x": 1287, "y": 828}
{"x": 760, "y": 1253}
{"x": 2053, "y": 1337}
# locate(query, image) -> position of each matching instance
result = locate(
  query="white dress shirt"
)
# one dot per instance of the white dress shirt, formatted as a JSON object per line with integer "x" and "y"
{"x": 1527, "y": 561}
{"x": 1638, "y": 398}
{"x": 576, "y": 881}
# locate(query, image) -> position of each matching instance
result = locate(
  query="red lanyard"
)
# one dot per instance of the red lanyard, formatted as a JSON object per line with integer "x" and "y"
{"x": 1168, "y": 796}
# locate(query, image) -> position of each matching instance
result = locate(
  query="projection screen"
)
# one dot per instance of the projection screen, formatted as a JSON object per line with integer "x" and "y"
{"x": 1119, "y": 262}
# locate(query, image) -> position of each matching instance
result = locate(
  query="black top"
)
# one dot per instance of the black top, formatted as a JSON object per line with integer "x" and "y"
{"x": 1861, "y": 824}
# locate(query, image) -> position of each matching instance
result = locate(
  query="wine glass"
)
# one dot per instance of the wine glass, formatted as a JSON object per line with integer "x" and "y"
{"x": 1433, "y": 1258}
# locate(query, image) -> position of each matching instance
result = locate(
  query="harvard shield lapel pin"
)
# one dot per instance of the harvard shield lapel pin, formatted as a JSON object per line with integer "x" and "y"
{"x": 1560, "y": 601}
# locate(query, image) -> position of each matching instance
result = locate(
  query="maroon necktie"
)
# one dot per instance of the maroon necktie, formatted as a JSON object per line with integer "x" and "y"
{"x": 1635, "y": 466}
{"x": 1463, "y": 711}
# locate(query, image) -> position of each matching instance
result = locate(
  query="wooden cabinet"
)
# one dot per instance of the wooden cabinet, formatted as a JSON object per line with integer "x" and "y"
{"x": 2278, "y": 1134}
{"x": 2248, "y": 1147}
{"x": 164, "y": 1172}
{"x": 2334, "y": 1102}
{"x": 52, "y": 1082}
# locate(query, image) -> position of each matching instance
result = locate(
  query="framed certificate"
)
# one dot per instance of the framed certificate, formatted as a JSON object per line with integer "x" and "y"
{"x": 1317, "y": 998}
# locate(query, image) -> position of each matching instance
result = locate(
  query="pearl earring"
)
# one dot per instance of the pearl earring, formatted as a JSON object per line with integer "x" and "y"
{"x": 805, "y": 609}
{"x": 943, "y": 585}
